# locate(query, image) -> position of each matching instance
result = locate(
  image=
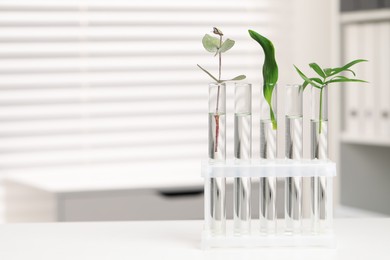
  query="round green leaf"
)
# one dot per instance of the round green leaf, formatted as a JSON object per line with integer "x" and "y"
{"x": 210, "y": 43}
{"x": 226, "y": 45}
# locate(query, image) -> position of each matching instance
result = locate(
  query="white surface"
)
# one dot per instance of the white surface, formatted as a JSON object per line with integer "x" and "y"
{"x": 253, "y": 241}
{"x": 356, "y": 239}
{"x": 68, "y": 179}
{"x": 265, "y": 168}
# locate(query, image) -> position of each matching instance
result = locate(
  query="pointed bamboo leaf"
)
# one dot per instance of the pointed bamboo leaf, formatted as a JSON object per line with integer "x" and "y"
{"x": 306, "y": 79}
{"x": 345, "y": 67}
{"x": 317, "y": 69}
{"x": 345, "y": 80}
{"x": 317, "y": 80}
{"x": 339, "y": 77}
{"x": 210, "y": 43}
{"x": 303, "y": 86}
{"x": 270, "y": 70}
{"x": 208, "y": 73}
{"x": 226, "y": 45}
{"x": 328, "y": 71}
{"x": 351, "y": 71}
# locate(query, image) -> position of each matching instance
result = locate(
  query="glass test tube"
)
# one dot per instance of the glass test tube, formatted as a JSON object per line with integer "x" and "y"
{"x": 242, "y": 153}
{"x": 319, "y": 150}
{"x": 268, "y": 150}
{"x": 293, "y": 149}
{"x": 215, "y": 208}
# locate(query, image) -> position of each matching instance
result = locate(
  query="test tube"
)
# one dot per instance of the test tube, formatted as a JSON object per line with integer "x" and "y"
{"x": 293, "y": 149}
{"x": 215, "y": 188}
{"x": 319, "y": 213}
{"x": 242, "y": 154}
{"x": 268, "y": 150}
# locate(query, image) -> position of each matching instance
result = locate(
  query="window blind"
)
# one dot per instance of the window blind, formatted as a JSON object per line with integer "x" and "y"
{"x": 100, "y": 84}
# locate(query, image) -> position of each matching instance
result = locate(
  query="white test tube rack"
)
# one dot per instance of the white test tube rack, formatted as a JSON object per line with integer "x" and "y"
{"x": 280, "y": 168}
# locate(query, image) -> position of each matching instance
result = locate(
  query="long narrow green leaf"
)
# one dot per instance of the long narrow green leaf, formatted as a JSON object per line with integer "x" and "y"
{"x": 318, "y": 80}
{"x": 208, "y": 73}
{"x": 335, "y": 69}
{"x": 339, "y": 77}
{"x": 303, "y": 86}
{"x": 306, "y": 79}
{"x": 317, "y": 69}
{"x": 270, "y": 70}
{"x": 345, "y": 67}
{"x": 327, "y": 71}
{"x": 345, "y": 80}
{"x": 351, "y": 71}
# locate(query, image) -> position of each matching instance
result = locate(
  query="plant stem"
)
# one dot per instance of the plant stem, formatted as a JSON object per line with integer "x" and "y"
{"x": 216, "y": 117}
{"x": 216, "y": 109}
{"x": 320, "y": 116}
{"x": 220, "y": 58}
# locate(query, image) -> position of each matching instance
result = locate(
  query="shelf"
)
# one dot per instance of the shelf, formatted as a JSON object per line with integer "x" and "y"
{"x": 365, "y": 16}
{"x": 345, "y": 138}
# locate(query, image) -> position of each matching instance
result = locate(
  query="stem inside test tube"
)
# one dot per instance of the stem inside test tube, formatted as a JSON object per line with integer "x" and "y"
{"x": 215, "y": 210}
{"x": 319, "y": 150}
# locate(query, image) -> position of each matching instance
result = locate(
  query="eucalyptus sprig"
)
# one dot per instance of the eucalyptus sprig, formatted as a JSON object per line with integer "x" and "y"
{"x": 218, "y": 46}
{"x": 270, "y": 71}
{"x": 328, "y": 76}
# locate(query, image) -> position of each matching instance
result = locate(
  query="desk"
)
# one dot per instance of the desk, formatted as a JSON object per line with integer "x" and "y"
{"x": 104, "y": 195}
{"x": 171, "y": 240}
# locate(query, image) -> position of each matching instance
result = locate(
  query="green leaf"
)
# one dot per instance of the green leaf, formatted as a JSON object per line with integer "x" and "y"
{"x": 210, "y": 43}
{"x": 317, "y": 69}
{"x": 328, "y": 71}
{"x": 351, "y": 72}
{"x": 306, "y": 79}
{"x": 270, "y": 71}
{"x": 345, "y": 67}
{"x": 339, "y": 77}
{"x": 208, "y": 73}
{"x": 240, "y": 77}
{"x": 317, "y": 80}
{"x": 345, "y": 80}
{"x": 303, "y": 86}
{"x": 226, "y": 45}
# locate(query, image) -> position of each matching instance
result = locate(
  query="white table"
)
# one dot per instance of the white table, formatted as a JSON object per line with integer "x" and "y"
{"x": 170, "y": 240}
{"x": 100, "y": 195}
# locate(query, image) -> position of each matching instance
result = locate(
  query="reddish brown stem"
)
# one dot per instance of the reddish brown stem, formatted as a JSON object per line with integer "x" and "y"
{"x": 216, "y": 132}
{"x": 216, "y": 109}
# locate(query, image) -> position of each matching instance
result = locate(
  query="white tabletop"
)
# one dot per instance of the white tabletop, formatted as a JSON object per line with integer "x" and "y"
{"x": 357, "y": 239}
{"x": 93, "y": 178}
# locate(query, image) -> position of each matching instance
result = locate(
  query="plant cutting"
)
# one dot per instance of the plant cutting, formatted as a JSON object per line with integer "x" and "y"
{"x": 217, "y": 46}
{"x": 328, "y": 76}
{"x": 270, "y": 71}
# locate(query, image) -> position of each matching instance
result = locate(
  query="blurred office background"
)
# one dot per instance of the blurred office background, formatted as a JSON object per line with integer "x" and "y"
{"x": 103, "y": 112}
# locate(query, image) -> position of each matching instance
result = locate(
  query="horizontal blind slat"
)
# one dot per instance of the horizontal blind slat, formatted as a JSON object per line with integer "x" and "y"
{"x": 116, "y": 82}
